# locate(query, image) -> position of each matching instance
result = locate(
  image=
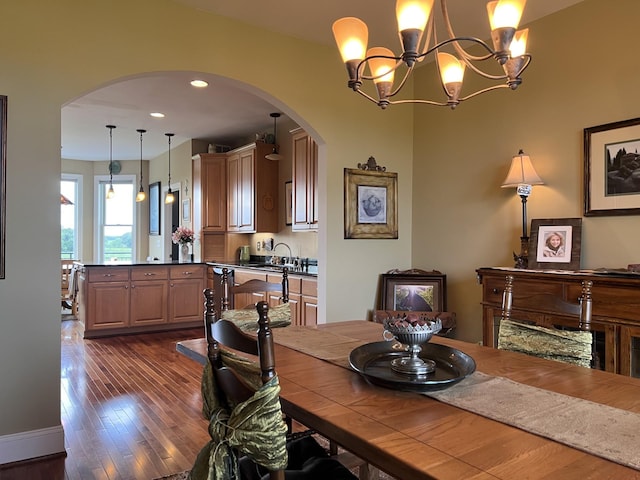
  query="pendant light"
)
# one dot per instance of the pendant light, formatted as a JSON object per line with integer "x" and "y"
{"x": 110, "y": 192}
{"x": 169, "y": 198}
{"x": 274, "y": 155}
{"x": 141, "y": 195}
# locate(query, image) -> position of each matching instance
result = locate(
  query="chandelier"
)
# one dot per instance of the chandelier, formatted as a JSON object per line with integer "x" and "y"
{"x": 417, "y": 32}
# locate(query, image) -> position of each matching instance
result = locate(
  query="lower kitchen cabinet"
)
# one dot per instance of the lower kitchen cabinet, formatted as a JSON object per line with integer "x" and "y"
{"x": 114, "y": 300}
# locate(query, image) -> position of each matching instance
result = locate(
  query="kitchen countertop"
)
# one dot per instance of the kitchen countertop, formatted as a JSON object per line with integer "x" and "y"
{"x": 312, "y": 270}
{"x": 141, "y": 264}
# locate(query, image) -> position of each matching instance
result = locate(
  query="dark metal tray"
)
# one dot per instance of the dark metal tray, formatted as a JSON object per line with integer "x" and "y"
{"x": 373, "y": 361}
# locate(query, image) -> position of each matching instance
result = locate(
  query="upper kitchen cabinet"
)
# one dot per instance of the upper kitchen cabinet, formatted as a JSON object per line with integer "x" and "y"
{"x": 252, "y": 190}
{"x": 210, "y": 192}
{"x": 305, "y": 182}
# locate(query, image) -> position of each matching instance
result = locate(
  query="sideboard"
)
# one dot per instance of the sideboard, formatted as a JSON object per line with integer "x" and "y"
{"x": 615, "y": 311}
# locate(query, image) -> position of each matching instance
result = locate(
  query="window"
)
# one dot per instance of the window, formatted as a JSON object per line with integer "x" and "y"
{"x": 70, "y": 187}
{"x": 116, "y": 216}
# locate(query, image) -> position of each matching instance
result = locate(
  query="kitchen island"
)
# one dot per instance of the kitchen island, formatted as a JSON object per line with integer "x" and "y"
{"x": 116, "y": 299}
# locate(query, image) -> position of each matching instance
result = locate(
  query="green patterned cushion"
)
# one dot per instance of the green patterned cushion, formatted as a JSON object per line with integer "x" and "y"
{"x": 247, "y": 318}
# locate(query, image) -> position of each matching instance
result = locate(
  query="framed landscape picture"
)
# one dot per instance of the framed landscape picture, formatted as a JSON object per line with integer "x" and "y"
{"x": 612, "y": 169}
{"x": 555, "y": 244}
{"x": 418, "y": 292}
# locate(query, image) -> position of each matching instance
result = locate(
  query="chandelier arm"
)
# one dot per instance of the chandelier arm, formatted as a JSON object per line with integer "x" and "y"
{"x": 484, "y": 90}
{"x": 482, "y": 73}
{"x": 369, "y": 77}
{"x": 431, "y": 30}
{"x": 428, "y": 102}
{"x": 403, "y": 81}
{"x": 368, "y": 97}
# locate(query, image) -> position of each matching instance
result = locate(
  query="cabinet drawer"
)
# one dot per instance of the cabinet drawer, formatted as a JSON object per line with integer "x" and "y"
{"x": 149, "y": 273}
{"x": 493, "y": 288}
{"x": 310, "y": 287}
{"x": 108, "y": 274}
{"x": 613, "y": 302}
{"x": 243, "y": 276}
{"x": 186, "y": 271}
{"x": 295, "y": 284}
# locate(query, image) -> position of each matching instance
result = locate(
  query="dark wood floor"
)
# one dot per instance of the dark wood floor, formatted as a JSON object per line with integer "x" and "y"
{"x": 130, "y": 409}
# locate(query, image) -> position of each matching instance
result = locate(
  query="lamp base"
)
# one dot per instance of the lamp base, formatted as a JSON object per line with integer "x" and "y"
{"x": 522, "y": 260}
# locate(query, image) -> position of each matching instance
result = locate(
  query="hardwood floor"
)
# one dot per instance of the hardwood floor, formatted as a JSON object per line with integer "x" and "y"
{"x": 130, "y": 408}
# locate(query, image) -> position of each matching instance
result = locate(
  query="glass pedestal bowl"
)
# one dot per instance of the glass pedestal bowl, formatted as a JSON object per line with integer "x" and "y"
{"x": 412, "y": 333}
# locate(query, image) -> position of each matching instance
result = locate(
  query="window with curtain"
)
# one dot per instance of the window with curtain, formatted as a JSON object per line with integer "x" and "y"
{"x": 114, "y": 239}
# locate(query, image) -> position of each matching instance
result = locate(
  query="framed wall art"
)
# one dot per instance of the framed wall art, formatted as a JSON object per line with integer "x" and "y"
{"x": 370, "y": 204}
{"x": 413, "y": 290}
{"x": 186, "y": 210}
{"x": 288, "y": 203}
{"x": 154, "y": 208}
{"x": 3, "y": 181}
{"x": 612, "y": 169}
{"x": 555, "y": 244}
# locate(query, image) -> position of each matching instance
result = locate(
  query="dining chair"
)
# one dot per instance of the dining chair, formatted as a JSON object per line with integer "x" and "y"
{"x": 67, "y": 285}
{"x": 246, "y": 317}
{"x": 240, "y": 392}
{"x": 561, "y": 332}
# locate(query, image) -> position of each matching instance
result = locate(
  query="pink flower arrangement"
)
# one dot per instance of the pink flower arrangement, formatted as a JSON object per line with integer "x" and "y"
{"x": 183, "y": 235}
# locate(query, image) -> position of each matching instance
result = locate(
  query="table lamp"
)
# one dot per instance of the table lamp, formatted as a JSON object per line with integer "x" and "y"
{"x": 522, "y": 175}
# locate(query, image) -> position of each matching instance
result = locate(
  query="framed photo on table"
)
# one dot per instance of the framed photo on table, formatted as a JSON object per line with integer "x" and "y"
{"x": 370, "y": 204}
{"x": 418, "y": 292}
{"x": 555, "y": 244}
{"x": 612, "y": 169}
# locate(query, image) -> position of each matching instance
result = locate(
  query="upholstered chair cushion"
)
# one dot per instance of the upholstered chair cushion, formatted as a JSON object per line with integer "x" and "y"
{"x": 247, "y": 318}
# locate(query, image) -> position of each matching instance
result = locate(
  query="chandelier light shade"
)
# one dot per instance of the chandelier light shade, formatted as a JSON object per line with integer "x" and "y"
{"x": 418, "y": 37}
{"x": 522, "y": 176}
{"x": 169, "y": 198}
{"x": 274, "y": 155}
{"x": 140, "y": 197}
{"x": 110, "y": 193}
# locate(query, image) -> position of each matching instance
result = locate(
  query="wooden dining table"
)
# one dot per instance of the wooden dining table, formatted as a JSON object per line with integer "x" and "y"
{"x": 413, "y": 436}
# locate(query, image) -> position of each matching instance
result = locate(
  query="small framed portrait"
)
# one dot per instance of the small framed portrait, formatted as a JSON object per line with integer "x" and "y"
{"x": 370, "y": 204}
{"x": 555, "y": 244}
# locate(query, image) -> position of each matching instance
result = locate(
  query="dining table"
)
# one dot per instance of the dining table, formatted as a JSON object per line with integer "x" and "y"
{"x": 426, "y": 435}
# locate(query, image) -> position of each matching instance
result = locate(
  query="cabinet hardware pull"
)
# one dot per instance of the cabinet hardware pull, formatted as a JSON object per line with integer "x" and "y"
{"x": 187, "y": 273}
{"x": 107, "y": 275}
{"x": 496, "y": 290}
{"x": 148, "y": 274}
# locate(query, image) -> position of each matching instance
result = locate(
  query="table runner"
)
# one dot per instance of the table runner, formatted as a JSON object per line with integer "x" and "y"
{"x": 608, "y": 432}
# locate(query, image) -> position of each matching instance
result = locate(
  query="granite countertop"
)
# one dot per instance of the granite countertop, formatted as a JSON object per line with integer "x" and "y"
{"x": 311, "y": 270}
{"x": 141, "y": 264}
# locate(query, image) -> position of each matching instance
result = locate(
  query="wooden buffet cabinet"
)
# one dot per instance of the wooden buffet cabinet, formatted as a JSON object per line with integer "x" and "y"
{"x": 615, "y": 310}
{"x": 114, "y": 300}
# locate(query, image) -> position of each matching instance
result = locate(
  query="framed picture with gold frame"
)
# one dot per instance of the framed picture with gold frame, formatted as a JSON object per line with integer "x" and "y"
{"x": 370, "y": 204}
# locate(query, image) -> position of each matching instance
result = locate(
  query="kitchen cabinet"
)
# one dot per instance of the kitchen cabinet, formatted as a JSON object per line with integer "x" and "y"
{"x": 114, "y": 300}
{"x": 305, "y": 182}
{"x": 252, "y": 190}
{"x": 209, "y": 172}
{"x": 309, "y": 302}
{"x": 615, "y": 309}
{"x": 186, "y": 283}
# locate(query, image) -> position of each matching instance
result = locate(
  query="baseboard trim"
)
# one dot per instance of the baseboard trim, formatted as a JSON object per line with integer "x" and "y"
{"x": 35, "y": 443}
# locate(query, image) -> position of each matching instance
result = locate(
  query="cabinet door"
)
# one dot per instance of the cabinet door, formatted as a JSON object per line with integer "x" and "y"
{"x": 246, "y": 193}
{"x": 148, "y": 302}
{"x": 630, "y": 351}
{"x": 295, "y": 300}
{"x": 309, "y": 310}
{"x": 186, "y": 300}
{"x": 214, "y": 194}
{"x": 108, "y": 305}
{"x": 233, "y": 183}
{"x": 305, "y": 180}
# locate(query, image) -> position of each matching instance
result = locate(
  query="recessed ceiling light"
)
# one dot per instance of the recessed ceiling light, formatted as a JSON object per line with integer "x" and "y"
{"x": 157, "y": 115}
{"x": 199, "y": 83}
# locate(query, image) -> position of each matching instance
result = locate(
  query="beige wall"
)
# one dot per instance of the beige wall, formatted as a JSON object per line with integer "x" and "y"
{"x": 583, "y": 74}
{"x": 62, "y": 53}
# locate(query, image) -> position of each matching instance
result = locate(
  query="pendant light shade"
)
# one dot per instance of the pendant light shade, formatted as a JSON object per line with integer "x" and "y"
{"x": 170, "y": 198}
{"x": 141, "y": 195}
{"x": 110, "y": 193}
{"x": 274, "y": 155}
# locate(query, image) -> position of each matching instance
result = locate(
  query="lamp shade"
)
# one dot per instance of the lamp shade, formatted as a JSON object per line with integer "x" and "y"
{"x": 521, "y": 172}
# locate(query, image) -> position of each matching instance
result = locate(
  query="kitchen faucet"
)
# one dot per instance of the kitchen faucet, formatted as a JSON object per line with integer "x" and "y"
{"x": 290, "y": 258}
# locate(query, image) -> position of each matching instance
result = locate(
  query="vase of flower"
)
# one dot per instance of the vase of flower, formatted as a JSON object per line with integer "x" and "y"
{"x": 185, "y": 256}
{"x": 184, "y": 237}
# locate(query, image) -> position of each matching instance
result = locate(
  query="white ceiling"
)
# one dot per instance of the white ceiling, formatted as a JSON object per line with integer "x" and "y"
{"x": 226, "y": 112}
